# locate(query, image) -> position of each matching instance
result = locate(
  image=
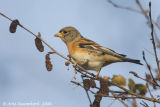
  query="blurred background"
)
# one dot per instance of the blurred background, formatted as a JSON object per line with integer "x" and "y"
{"x": 23, "y": 76}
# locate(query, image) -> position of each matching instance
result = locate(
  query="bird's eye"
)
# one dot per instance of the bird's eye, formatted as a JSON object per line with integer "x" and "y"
{"x": 65, "y": 32}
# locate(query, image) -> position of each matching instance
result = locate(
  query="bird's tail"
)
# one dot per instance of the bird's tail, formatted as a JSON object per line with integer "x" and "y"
{"x": 133, "y": 61}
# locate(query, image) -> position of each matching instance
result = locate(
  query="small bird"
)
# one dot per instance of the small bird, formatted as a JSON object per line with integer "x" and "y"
{"x": 89, "y": 54}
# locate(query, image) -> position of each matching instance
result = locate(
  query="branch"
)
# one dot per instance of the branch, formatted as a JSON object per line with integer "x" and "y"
{"x": 143, "y": 11}
{"x": 150, "y": 94}
{"x": 122, "y": 97}
{"x": 153, "y": 42}
{"x": 120, "y": 100}
{"x": 149, "y": 68}
{"x": 122, "y": 7}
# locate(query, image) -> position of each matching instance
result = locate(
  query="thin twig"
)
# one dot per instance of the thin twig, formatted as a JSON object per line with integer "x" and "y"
{"x": 149, "y": 52}
{"x": 144, "y": 104}
{"x": 150, "y": 93}
{"x": 134, "y": 102}
{"x": 5, "y": 16}
{"x": 142, "y": 9}
{"x": 153, "y": 42}
{"x": 122, "y": 7}
{"x": 123, "y": 97}
{"x": 149, "y": 19}
{"x": 149, "y": 68}
{"x": 120, "y": 100}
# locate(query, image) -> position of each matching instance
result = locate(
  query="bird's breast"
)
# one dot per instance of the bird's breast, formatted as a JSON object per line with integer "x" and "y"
{"x": 93, "y": 62}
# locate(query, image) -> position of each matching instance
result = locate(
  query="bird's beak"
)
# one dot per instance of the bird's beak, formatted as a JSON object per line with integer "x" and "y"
{"x": 59, "y": 35}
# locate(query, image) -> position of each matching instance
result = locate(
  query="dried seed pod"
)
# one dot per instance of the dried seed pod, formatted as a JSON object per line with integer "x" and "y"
{"x": 86, "y": 84}
{"x": 48, "y": 63}
{"x": 67, "y": 63}
{"x": 38, "y": 43}
{"x": 48, "y": 57}
{"x": 13, "y": 26}
{"x": 148, "y": 77}
{"x": 104, "y": 87}
{"x": 93, "y": 84}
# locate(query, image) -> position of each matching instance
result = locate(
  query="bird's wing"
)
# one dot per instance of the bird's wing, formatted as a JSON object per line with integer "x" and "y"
{"x": 96, "y": 48}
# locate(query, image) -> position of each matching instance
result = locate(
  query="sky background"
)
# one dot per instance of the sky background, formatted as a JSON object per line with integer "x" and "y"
{"x": 23, "y": 76}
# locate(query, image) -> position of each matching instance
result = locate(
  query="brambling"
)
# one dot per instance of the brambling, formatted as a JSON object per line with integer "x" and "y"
{"x": 89, "y": 54}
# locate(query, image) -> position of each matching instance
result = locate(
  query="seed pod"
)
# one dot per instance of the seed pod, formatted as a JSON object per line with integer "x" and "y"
{"x": 38, "y": 43}
{"x": 67, "y": 63}
{"x": 104, "y": 87}
{"x": 148, "y": 77}
{"x": 48, "y": 63}
{"x": 13, "y": 26}
{"x": 86, "y": 84}
{"x": 93, "y": 84}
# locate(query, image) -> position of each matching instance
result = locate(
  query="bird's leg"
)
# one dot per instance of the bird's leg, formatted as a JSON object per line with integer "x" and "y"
{"x": 98, "y": 72}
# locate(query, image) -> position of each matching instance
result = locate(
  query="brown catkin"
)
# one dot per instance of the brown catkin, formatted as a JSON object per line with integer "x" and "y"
{"x": 86, "y": 84}
{"x": 39, "y": 44}
{"x": 13, "y": 26}
{"x": 93, "y": 83}
{"x": 48, "y": 63}
{"x": 67, "y": 63}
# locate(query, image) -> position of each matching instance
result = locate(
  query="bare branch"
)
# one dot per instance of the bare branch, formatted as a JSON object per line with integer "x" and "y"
{"x": 135, "y": 95}
{"x": 149, "y": 68}
{"x": 150, "y": 94}
{"x": 122, "y": 7}
{"x": 153, "y": 42}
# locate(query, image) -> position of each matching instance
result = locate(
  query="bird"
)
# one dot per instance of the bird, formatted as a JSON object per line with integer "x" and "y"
{"x": 89, "y": 54}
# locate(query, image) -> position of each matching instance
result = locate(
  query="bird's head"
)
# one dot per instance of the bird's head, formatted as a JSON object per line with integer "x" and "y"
{"x": 69, "y": 34}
